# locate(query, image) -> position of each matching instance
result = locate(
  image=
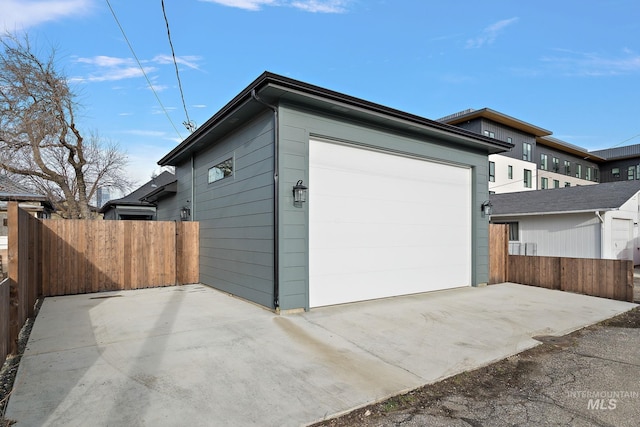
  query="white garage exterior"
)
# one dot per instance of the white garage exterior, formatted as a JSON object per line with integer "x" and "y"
{"x": 376, "y": 224}
{"x": 393, "y": 203}
{"x": 595, "y": 221}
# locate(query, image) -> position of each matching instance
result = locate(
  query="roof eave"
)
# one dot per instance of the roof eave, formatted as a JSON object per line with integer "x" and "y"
{"x": 291, "y": 85}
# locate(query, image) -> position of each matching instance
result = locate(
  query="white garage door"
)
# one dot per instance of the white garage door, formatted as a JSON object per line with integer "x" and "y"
{"x": 383, "y": 225}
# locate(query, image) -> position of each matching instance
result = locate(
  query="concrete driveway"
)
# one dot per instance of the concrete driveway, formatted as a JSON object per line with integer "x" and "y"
{"x": 194, "y": 356}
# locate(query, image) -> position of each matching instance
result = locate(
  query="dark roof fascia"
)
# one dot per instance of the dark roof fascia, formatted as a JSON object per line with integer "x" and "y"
{"x": 498, "y": 117}
{"x": 160, "y": 192}
{"x": 290, "y": 85}
{"x": 568, "y": 148}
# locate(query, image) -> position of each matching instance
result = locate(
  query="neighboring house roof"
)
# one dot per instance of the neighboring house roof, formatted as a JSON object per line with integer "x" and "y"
{"x": 588, "y": 198}
{"x": 496, "y": 116}
{"x": 140, "y": 196}
{"x": 10, "y": 190}
{"x": 619, "y": 152}
{"x": 272, "y": 88}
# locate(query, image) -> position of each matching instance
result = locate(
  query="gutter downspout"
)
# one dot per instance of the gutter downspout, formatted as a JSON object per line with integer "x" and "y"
{"x": 601, "y": 234}
{"x": 193, "y": 184}
{"x": 276, "y": 162}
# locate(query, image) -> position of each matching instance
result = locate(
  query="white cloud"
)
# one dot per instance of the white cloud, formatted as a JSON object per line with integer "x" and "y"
{"x": 189, "y": 61}
{"x": 244, "y": 4}
{"x": 318, "y": 6}
{"x": 108, "y": 68}
{"x": 588, "y": 64}
{"x": 314, "y": 6}
{"x": 22, "y": 14}
{"x": 489, "y": 34}
{"x": 199, "y": 106}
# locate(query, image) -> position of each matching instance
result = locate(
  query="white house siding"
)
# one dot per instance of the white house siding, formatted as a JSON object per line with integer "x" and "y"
{"x": 562, "y": 235}
{"x": 502, "y": 183}
{"x": 563, "y": 179}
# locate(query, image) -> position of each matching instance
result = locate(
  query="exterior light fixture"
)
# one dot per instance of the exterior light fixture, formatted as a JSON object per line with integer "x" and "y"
{"x": 185, "y": 213}
{"x": 485, "y": 207}
{"x": 299, "y": 193}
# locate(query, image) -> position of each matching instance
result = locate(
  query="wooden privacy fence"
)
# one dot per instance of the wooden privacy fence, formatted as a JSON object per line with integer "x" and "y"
{"x": 607, "y": 278}
{"x": 93, "y": 256}
{"x": 64, "y": 257}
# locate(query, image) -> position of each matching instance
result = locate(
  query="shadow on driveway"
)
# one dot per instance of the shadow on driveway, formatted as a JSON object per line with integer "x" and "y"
{"x": 193, "y": 355}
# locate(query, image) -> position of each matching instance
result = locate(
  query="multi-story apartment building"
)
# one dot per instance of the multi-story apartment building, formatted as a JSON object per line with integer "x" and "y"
{"x": 622, "y": 163}
{"x": 537, "y": 160}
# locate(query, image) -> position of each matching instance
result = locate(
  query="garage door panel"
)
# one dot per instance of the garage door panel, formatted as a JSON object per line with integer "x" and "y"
{"x": 383, "y": 225}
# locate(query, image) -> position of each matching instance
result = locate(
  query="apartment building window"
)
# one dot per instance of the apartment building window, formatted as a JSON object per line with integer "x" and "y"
{"x": 556, "y": 183}
{"x": 510, "y": 172}
{"x": 544, "y": 183}
{"x": 492, "y": 172}
{"x": 578, "y": 170}
{"x": 527, "y": 178}
{"x": 489, "y": 134}
{"x": 588, "y": 176}
{"x": 526, "y": 151}
{"x": 567, "y": 167}
{"x": 567, "y": 184}
{"x": 544, "y": 162}
{"x": 631, "y": 173}
{"x": 556, "y": 164}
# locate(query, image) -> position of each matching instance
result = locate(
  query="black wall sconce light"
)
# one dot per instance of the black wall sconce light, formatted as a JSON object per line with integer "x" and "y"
{"x": 485, "y": 207}
{"x": 299, "y": 193}
{"x": 185, "y": 213}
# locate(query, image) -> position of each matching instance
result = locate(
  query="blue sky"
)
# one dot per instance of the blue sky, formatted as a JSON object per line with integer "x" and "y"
{"x": 570, "y": 66}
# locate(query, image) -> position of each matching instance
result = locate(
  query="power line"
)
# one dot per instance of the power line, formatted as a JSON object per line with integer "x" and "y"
{"x": 142, "y": 69}
{"x": 188, "y": 124}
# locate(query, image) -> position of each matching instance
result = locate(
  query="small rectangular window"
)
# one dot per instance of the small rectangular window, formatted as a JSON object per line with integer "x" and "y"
{"x": 221, "y": 171}
{"x": 514, "y": 232}
{"x": 526, "y": 151}
{"x": 615, "y": 172}
{"x": 510, "y": 172}
{"x": 556, "y": 164}
{"x": 544, "y": 183}
{"x": 567, "y": 184}
{"x": 510, "y": 140}
{"x": 489, "y": 134}
{"x": 492, "y": 172}
{"x": 544, "y": 162}
{"x": 556, "y": 183}
{"x": 527, "y": 178}
{"x": 578, "y": 170}
{"x": 567, "y": 167}
{"x": 631, "y": 173}
{"x": 588, "y": 176}
{"x": 595, "y": 174}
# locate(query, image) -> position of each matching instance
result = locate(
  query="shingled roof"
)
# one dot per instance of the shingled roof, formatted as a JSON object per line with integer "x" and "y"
{"x": 598, "y": 197}
{"x": 10, "y": 190}
{"x": 136, "y": 197}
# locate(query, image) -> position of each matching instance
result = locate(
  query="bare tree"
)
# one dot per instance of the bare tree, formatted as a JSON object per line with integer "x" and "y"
{"x": 40, "y": 139}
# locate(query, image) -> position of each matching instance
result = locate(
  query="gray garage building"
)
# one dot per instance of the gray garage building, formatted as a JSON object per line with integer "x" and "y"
{"x": 392, "y": 207}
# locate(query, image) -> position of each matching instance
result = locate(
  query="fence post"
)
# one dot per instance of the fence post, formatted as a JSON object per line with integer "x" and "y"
{"x": 14, "y": 290}
{"x": 498, "y": 253}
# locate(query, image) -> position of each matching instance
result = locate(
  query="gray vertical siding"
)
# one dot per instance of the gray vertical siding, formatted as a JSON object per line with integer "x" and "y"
{"x": 296, "y": 127}
{"x": 167, "y": 209}
{"x": 236, "y": 213}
